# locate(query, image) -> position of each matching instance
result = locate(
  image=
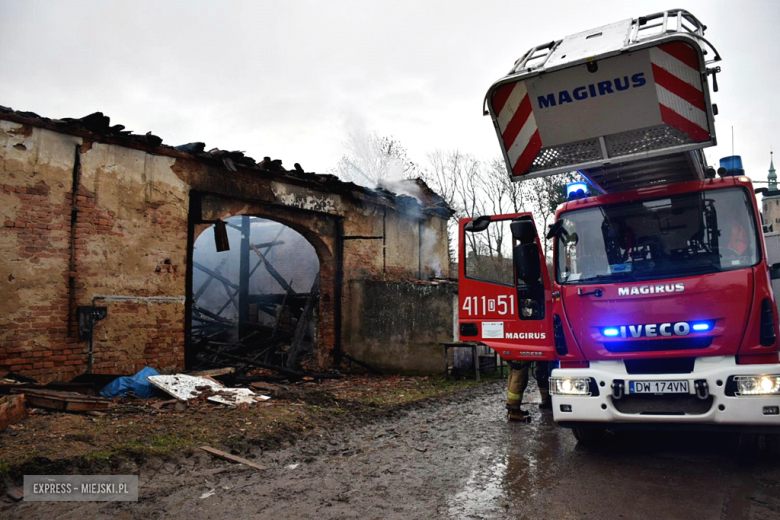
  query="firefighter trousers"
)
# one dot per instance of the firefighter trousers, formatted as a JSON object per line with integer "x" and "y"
{"x": 518, "y": 381}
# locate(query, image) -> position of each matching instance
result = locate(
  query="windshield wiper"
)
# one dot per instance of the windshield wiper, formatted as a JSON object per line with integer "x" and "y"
{"x": 606, "y": 278}
{"x": 702, "y": 268}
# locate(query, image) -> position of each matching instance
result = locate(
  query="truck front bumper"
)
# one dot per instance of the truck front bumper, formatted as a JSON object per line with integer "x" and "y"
{"x": 721, "y": 407}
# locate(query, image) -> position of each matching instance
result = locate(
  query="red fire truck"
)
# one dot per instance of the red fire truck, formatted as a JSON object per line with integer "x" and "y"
{"x": 657, "y": 301}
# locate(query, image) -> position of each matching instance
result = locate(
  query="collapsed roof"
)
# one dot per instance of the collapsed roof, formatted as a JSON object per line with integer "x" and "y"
{"x": 98, "y": 127}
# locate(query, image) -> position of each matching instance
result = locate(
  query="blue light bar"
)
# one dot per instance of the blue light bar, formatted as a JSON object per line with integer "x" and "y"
{"x": 701, "y": 326}
{"x": 574, "y": 187}
{"x": 610, "y": 332}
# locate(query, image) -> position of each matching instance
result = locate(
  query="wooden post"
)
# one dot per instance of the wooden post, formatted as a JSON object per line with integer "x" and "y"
{"x": 303, "y": 323}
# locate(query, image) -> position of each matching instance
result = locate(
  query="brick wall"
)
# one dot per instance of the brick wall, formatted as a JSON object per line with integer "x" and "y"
{"x": 119, "y": 234}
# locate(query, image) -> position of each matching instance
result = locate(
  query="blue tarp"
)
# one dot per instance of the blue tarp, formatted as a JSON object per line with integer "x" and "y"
{"x": 138, "y": 384}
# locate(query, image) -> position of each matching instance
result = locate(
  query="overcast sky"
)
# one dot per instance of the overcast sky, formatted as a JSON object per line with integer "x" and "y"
{"x": 290, "y": 78}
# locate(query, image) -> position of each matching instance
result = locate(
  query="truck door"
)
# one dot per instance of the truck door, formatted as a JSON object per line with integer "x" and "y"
{"x": 504, "y": 291}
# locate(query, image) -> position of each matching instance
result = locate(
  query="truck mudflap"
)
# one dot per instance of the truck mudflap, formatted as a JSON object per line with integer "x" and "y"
{"x": 605, "y": 96}
{"x": 708, "y": 395}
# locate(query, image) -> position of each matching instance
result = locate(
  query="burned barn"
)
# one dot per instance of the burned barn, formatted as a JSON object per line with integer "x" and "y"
{"x": 119, "y": 252}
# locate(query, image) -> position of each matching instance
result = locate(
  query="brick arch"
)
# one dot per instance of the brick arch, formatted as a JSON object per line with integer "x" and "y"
{"x": 321, "y": 231}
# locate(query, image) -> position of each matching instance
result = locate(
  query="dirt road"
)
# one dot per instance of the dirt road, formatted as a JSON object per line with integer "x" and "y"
{"x": 457, "y": 458}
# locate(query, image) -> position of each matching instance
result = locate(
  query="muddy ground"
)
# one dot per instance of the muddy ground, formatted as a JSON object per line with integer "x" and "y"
{"x": 454, "y": 456}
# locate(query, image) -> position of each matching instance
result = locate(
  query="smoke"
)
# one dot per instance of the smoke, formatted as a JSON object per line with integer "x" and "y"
{"x": 404, "y": 187}
{"x": 378, "y": 161}
{"x": 428, "y": 241}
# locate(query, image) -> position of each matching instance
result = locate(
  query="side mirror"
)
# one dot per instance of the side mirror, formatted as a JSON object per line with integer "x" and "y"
{"x": 478, "y": 224}
{"x": 761, "y": 190}
{"x": 523, "y": 231}
{"x": 556, "y": 229}
{"x": 774, "y": 271}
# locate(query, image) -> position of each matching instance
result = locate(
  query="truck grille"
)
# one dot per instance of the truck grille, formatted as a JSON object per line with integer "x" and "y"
{"x": 682, "y": 365}
{"x": 654, "y": 345}
{"x": 663, "y": 404}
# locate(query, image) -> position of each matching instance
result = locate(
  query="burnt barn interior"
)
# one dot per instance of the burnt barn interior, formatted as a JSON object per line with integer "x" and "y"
{"x": 260, "y": 297}
{"x": 120, "y": 252}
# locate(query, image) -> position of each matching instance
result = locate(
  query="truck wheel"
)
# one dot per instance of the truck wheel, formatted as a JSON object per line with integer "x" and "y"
{"x": 590, "y": 436}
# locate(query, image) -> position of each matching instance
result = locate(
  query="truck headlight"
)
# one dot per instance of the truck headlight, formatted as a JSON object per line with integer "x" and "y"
{"x": 758, "y": 385}
{"x": 570, "y": 385}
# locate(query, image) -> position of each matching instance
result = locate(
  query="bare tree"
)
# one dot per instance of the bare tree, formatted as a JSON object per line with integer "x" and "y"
{"x": 543, "y": 196}
{"x": 473, "y": 188}
{"x": 372, "y": 160}
{"x": 513, "y": 190}
{"x": 456, "y": 177}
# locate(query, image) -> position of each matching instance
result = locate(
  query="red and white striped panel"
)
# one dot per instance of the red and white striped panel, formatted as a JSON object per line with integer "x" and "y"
{"x": 679, "y": 87}
{"x": 517, "y": 124}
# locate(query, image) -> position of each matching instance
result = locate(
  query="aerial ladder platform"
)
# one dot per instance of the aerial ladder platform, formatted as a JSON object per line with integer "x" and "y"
{"x": 627, "y": 104}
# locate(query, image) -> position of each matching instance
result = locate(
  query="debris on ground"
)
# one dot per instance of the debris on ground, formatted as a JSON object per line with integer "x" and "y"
{"x": 232, "y": 458}
{"x": 87, "y": 384}
{"x": 15, "y": 494}
{"x": 12, "y": 410}
{"x": 214, "y": 372}
{"x": 138, "y": 384}
{"x": 62, "y": 401}
{"x": 186, "y": 388}
{"x": 232, "y": 396}
{"x": 136, "y": 431}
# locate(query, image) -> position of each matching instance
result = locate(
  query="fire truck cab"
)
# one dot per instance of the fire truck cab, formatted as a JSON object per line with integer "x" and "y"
{"x": 656, "y": 302}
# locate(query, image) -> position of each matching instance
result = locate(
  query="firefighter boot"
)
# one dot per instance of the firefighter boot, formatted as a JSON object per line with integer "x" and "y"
{"x": 518, "y": 380}
{"x": 517, "y": 416}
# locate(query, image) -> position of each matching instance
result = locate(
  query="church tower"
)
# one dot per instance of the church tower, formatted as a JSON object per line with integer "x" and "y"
{"x": 771, "y": 200}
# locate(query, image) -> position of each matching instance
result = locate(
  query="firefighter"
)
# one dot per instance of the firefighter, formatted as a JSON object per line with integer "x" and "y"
{"x": 518, "y": 381}
{"x": 518, "y": 375}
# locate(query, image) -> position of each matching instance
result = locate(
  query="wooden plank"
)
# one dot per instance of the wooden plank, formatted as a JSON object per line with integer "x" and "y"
{"x": 209, "y": 280}
{"x": 214, "y": 275}
{"x": 15, "y": 494}
{"x": 269, "y": 245}
{"x": 39, "y": 401}
{"x": 303, "y": 322}
{"x": 273, "y": 272}
{"x": 230, "y": 297}
{"x": 279, "y": 316}
{"x": 12, "y": 410}
{"x": 213, "y": 372}
{"x": 232, "y": 458}
{"x": 65, "y": 401}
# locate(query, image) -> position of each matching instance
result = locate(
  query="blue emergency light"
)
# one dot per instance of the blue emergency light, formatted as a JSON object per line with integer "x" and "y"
{"x": 701, "y": 326}
{"x": 576, "y": 190}
{"x": 610, "y": 332}
{"x": 731, "y": 166}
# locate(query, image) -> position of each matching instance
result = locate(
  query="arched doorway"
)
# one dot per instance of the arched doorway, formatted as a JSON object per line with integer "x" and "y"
{"x": 257, "y": 300}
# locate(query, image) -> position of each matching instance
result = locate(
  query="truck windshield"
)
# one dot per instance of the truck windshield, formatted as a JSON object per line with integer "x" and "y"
{"x": 682, "y": 235}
